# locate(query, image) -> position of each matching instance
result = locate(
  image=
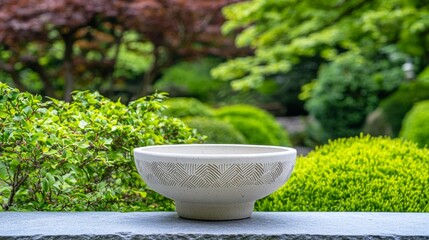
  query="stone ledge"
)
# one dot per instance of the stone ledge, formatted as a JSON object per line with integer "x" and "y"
{"x": 166, "y": 225}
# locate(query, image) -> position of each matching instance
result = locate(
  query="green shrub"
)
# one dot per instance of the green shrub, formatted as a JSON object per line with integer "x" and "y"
{"x": 357, "y": 174}
{"x": 253, "y": 131}
{"x": 342, "y": 97}
{"x": 254, "y": 115}
{"x": 186, "y": 107}
{"x": 192, "y": 79}
{"x": 416, "y": 124}
{"x": 401, "y": 101}
{"x": 77, "y": 156}
{"x": 217, "y": 131}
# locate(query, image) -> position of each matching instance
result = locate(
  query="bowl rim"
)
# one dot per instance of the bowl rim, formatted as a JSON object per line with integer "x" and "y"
{"x": 280, "y": 151}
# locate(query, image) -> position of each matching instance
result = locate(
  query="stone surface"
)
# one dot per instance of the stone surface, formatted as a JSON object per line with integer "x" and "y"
{"x": 166, "y": 225}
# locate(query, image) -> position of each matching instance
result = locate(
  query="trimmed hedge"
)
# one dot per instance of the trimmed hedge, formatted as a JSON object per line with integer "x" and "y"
{"x": 357, "y": 174}
{"x": 186, "y": 107}
{"x": 217, "y": 131}
{"x": 253, "y": 131}
{"x": 237, "y": 113}
{"x": 58, "y": 156}
{"x": 416, "y": 124}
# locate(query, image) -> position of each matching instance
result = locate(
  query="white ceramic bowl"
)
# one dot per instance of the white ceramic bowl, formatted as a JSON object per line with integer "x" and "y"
{"x": 214, "y": 181}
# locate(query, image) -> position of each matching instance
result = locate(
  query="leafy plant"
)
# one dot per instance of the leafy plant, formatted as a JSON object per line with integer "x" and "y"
{"x": 415, "y": 126}
{"x": 357, "y": 174}
{"x": 217, "y": 131}
{"x": 285, "y": 32}
{"x": 77, "y": 156}
{"x": 254, "y": 115}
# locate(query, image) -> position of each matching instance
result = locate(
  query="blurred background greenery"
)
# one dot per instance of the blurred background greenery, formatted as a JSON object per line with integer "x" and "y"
{"x": 342, "y": 67}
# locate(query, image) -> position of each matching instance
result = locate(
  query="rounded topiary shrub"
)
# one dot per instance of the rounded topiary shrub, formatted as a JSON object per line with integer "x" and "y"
{"x": 58, "y": 156}
{"x": 357, "y": 174}
{"x": 186, "y": 107}
{"x": 396, "y": 106}
{"x": 236, "y": 113}
{"x": 416, "y": 124}
{"x": 217, "y": 131}
{"x": 253, "y": 131}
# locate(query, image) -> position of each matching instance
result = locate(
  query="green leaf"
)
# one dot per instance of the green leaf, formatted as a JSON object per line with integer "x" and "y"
{"x": 82, "y": 124}
{"x": 3, "y": 171}
{"x": 45, "y": 185}
{"x": 51, "y": 178}
{"x": 39, "y": 197}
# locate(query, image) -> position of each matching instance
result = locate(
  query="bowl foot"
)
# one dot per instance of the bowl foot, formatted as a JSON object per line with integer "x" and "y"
{"x": 214, "y": 211}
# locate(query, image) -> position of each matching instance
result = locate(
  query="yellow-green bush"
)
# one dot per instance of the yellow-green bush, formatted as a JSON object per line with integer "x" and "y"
{"x": 416, "y": 124}
{"x": 217, "y": 131}
{"x": 357, "y": 174}
{"x": 257, "y": 115}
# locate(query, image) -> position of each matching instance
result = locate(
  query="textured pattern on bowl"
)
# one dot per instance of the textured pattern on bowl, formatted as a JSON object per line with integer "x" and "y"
{"x": 227, "y": 175}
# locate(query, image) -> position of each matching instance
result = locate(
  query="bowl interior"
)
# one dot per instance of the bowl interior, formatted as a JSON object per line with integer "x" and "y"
{"x": 213, "y": 150}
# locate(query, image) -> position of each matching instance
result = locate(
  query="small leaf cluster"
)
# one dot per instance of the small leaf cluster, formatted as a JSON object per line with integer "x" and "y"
{"x": 416, "y": 124}
{"x": 361, "y": 173}
{"x": 77, "y": 156}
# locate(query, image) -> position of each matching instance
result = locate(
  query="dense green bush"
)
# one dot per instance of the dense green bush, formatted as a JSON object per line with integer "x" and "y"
{"x": 186, "y": 107}
{"x": 342, "y": 97}
{"x": 253, "y": 131}
{"x": 401, "y": 101}
{"x": 77, "y": 156}
{"x": 357, "y": 174}
{"x": 254, "y": 115}
{"x": 416, "y": 124}
{"x": 217, "y": 131}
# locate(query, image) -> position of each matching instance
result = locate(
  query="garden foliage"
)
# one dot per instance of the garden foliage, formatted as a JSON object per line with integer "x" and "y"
{"x": 192, "y": 79}
{"x": 77, "y": 156}
{"x": 217, "y": 131}
{"x": 105, "y": 45}
{"x": 416, "y": 124}
{"x": 257, "y": 125}
{"x": 241, "y": 123}
{"x": 285, "y": 32}
{"x": 342, "y": 97}
{"x": 396, "y": 106}
{"x": 357, "y": 174}
{"x": 186, "y": 107}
